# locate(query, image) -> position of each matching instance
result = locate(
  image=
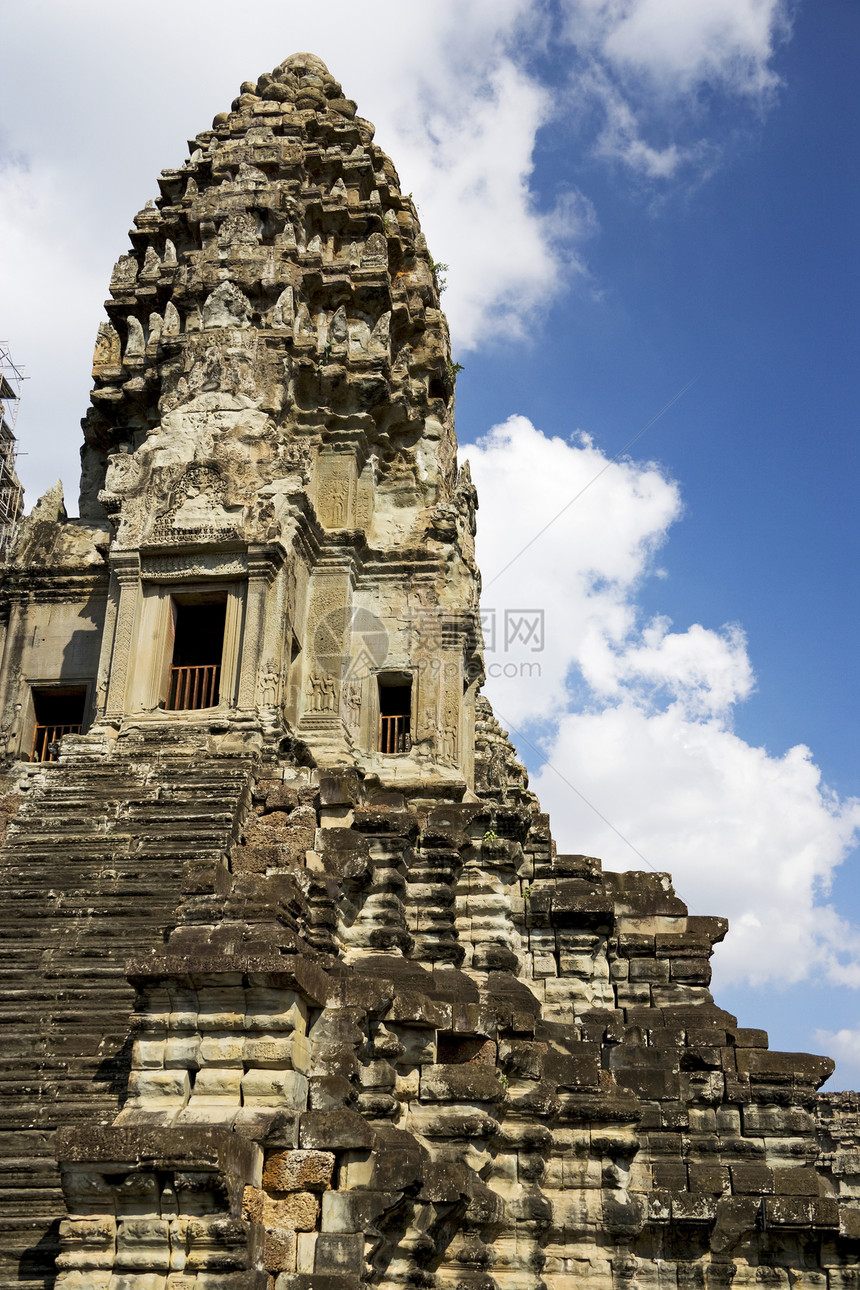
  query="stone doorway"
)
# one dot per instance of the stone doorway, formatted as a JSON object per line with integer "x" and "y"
{"x": 395, "y": 713}
{"x": 198, "y": 648}
{"x": 59, "y": 710}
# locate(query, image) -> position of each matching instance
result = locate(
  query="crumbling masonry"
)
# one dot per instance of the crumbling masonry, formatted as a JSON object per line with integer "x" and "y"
{"x": 381, "y": 1032}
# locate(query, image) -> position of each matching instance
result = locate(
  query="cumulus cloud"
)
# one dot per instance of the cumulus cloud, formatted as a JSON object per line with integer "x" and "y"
{"x": 634, "y": 717}
{"x": 844, "y": 1045}
{"x": 651, "y": 64}
{"x": 455, "y": 108}
{"x": 677, "y": 45}
{"x": 601, "y": 546}
{"x": 452, "y": 89}
{"x": 469, "y": 163}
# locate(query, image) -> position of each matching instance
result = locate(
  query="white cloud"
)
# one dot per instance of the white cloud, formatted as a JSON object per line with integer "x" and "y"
{"x": 620, "y": 135}
{"x": 635, "y": 717}
{"x": 609, "y": 535}
{"x": 468, "y": 161}
{"x": 451, "y": 88}
{"x": 450, "y": 103}
{"x": 677, "y": 44}
{"x": 704, "y": 671}
{"x": 844, "y": 1045}
{"x": 647, "y": 62}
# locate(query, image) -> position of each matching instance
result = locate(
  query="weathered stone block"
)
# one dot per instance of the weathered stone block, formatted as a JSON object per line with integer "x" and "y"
{"x": 274, "y": 1088}
{"x": 303, "y": 1170}
{"x": 142, "y": 1245}
{"x": 461, "y": 1084}
{"x": 796, "y": 1182}
{"x": 776, "y": 1122}
{"x": 752, "y": 1179}
{"x": 788, "y": 1211}
{"x": 279, "y": 1250}
{"x": 736, "y": 1218}
{"x": 353, "y": 1211}
{"x": 297, "y": 1212}
{"x": 647, "y": 969}
{"x": 155, "y": 1085}
{"x": 337, "y": 1130}
{"x": 338, "y": 1252}
{"x": 710, "y": 1179}
{"x": 87, "y": 1243}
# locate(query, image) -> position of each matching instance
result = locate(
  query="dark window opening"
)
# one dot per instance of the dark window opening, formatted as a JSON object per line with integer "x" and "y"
{"x": 195, "y": 673}
{"x": 460, "y": 1050}
{"x": 395, "y": 710}
{"x": 59, "y": 711}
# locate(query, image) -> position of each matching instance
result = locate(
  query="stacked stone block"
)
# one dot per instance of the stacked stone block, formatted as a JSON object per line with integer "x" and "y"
{"x": 424, "y": 1124}
{"x": 382, "y": 1033}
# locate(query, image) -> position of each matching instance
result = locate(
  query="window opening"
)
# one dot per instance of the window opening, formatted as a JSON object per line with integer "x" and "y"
{"x": 395, "y": 709}
{"x": 195, "y": 673}
{"x": 59, "y": 711}
{"x": 459, "y": 1050}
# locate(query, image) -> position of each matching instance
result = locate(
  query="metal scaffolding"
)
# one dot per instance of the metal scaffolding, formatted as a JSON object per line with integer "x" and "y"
{"x": 11, "y": 492}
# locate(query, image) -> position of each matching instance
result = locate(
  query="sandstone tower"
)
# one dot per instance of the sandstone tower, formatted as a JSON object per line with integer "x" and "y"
{"x": 381, "y": 1033}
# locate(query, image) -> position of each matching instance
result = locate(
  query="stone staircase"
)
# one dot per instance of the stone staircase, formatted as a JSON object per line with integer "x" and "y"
{"x": 91, "y": 874}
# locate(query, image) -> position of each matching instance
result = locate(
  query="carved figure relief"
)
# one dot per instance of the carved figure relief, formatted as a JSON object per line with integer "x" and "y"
{"x": 269, "y": 684}
{"x": 450, "y": 742}
{"x": 351, "y": 704}
{"x": 321, "y": 693}
{"x": 108, "y": 350}
{"x": 338, "y": 499}
{"x": 197, "y": 506}
{"x": 336, "y": 490}
{"x": 227, "y": 307}
{"x": 124, "y": 271}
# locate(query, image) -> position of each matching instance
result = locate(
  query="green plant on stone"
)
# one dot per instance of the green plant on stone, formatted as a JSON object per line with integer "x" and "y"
{"x": 325, "y": 356}
{"x": 451, "y": 372}
{"x": 489, "y": 837}
{"x": 438, "y": 269}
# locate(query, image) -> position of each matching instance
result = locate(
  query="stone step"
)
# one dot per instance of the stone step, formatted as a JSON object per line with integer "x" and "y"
{"x": 91, "y": 874}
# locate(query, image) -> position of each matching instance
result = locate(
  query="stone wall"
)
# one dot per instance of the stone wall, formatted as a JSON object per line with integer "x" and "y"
{"x": 479, "y": 1063}
{"x": 290, "y": 1007}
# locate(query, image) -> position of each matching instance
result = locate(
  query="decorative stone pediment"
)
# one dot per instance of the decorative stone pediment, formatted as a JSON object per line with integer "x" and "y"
{"x": 197, "y": 508}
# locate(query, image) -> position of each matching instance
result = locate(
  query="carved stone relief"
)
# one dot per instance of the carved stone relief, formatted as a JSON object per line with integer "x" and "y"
{"x": 336, "y": 486}
{"x": 322, "y": 693}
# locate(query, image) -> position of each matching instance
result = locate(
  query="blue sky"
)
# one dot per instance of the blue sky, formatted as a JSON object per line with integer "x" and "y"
{"x": 747, "y": 281}
{"x": 631, "y": 196}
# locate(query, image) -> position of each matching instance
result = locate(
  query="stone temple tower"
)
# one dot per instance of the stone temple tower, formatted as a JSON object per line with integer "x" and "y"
{"x": 299, "y": 994}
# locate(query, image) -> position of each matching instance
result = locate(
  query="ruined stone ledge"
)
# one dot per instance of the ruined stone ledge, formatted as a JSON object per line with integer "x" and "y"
{"x": 169, "y": 1148}
{"x": 291, "y": 972}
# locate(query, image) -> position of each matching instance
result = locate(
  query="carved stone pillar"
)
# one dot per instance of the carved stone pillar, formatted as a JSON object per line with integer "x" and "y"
{"x": 125, "y": 594}
{"x": 11, "y": 689}
{"x": 103, "y": 673}
{"x": 451, "y": 695}
{"x": 326, "y": 661}
{"x": 263, "y": 563}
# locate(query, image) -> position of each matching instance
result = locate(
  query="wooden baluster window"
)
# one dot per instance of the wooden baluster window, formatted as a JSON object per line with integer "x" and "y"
{"x": 195, "y": 673}
{"x": 395, "y": 715}
{"x": 59, "y": 711}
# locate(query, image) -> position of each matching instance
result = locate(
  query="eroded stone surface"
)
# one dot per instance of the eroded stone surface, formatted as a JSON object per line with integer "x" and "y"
{"x": 382, "y": 1033}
